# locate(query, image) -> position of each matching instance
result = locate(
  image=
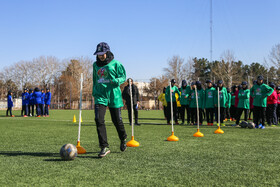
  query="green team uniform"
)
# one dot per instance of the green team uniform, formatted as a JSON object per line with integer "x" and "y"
{"x": 223, "y": 97}
{"x": 167, "y": 93}
{"x": 185, "y": 95}
{"x": 229, "y": 100}
{"x": 260, "y": 94}
{"x": 209, "y": 97}
{"x": 200, "y": 98}
{"x": 244, "y": 99}
{"x": 106, "y": 84}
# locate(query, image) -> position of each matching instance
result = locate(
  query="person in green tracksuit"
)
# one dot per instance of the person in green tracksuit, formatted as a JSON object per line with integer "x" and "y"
{"x": 243, "y": 103}
{"x": 174, "y": 89}
{"x": 185, "y": 92}
{"x": 227, "y": 112}
{"x": 193, "y": 105}
{"x": 223, "y": 95}
{"x": 232, "y": 104}
{"x": 260, "y": 92}
{"x": 209, "y": 102}
{"x": 108, "y": 75}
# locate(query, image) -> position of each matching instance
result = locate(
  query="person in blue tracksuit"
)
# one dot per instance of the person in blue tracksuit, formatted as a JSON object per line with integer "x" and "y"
{"x": 30, "y": 103}
{"x": 25, "y": 101}
{"x": 38, "y": 101}
{"x": 10, "y": 103}
{"x": 42, "y": 105}
{"x": 48, "y": 97}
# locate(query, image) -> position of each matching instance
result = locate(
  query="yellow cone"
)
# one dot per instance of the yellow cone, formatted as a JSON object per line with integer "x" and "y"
{"x": 74, "y": 119}
{"x": 81, "y": 119}
{"x": 132, "y": 143}
{"x": 80, "y": 149}
{"x": 173, "y": 138}
{"x": 198, "y": 134}
{"x": 219, "y": 131}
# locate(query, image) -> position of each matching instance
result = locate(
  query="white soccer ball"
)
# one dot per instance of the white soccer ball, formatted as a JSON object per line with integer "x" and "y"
{"x": 68, "y": 152}
{"x": 251, "y": 125}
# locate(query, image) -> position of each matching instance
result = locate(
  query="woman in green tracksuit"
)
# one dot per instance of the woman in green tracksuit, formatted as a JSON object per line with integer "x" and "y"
{"x": 185, "y": 91}
{"x": 223, "y": 95}
{"x": 108, "y": 75}
{"x": 243, "y": 103}
{"x": 209, "y": 102}
{"x": 193, "y": 106}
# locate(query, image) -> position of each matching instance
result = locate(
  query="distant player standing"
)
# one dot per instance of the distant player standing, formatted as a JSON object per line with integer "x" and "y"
{"x": 108, "y": 75}
{"x": 48, "y": 97}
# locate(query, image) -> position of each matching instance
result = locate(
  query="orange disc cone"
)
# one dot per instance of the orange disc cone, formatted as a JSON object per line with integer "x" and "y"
{"x": 132, "y": 143}
{"x": 219, "y": 131}
{"x": 80, "y": 149}
{"x": 173, "y": 137}
{"x": 198, "y": 134}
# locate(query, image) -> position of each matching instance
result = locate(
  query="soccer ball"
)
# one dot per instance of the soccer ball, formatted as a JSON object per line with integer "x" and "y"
{"x": 68, "y": 152}
{"x": 251, "y": 125}
{"x": 244, "y": 124}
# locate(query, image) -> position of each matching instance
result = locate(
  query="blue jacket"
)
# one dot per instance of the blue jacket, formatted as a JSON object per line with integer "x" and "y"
{"x": 10, "y": 101}
{"x": 37, "y": 97}
{"x": 43, "y": 98}
{"x": 30, "y": 99}
{"x": 25, "y": 98}
{"x": 48, "y": 97}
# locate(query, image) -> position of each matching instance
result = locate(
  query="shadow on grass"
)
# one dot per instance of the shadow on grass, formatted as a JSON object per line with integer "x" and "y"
{"x": 20, "y": 153}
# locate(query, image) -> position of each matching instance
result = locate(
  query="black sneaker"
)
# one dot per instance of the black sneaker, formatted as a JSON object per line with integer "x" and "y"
{"x": 137, "y": 124}
{"x": 123, "y": 145}
{"x": 104, "y": 151}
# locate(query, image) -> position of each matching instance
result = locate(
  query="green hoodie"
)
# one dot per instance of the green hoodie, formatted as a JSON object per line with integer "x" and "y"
{"x": 260, "y": 94}
{"x": 209, "y": 97}
{"x": 229, "y": 100}
{"x": 185, "y": 95}
{"x": 244, "y": 99}
{"x": 223, "y": 97}
{"x": 167, "y": 93}
{"x": 200, "y": 98}
{"x": 106, "y": 84}
{"x": 232, "y": 99}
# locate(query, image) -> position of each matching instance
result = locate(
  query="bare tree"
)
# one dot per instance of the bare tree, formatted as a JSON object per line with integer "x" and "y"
{"x": 175, "y": 69}
{"x": 275, "y": 55}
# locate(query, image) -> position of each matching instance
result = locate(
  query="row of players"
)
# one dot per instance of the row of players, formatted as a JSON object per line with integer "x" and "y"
{"x": 31, "y": 98}
{"x": 261, "y": 99}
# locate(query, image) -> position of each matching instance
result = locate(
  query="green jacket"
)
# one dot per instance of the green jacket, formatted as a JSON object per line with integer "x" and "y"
{"x": 223, "y": 97}
{"x": 260, "y": 94}
{"x": 229, "y": 101}
{"x": 185, "y": 95}
{"x": 200, "y": 97}
{"x": 209, "y": 97}
{"x": 106, "y": 84}
{"x": 244, "y": 99}
{"x": 167, "y": 93}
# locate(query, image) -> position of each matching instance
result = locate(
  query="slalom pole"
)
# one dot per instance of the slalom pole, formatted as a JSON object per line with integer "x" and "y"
{"x": 219, "y": 130}
{"x": 197, "y": 134}
{"x": 132, "y": 142}
{"x": 172, "y": 137}
{"x": 80, "y": 149}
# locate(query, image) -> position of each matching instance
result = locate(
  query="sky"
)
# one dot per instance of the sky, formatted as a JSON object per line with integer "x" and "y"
{"x": 143, "y": 34}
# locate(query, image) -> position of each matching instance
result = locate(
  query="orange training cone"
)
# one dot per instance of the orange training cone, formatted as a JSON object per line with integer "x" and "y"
{"x": 219, "y": 131}
{"x": 198, "y": 134}
{"x": 173, "y": 137}
{"x": 80, "y": 149}
{"x": 132, "y": 143}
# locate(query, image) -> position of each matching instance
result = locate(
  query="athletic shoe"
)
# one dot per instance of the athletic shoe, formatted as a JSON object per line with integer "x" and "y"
{"x": 177, "y": 123}
{"x": 208, "y": 124}
{"x": 256, "y": 127}
{"x": 260, "y": 126}
{"x": 182, "y": 123}
{"x": 123, "y": 145}
{"x": 137, "y": 124}
{"x": 12, "y": 116}
{"x": 104, "y": 151}
{"x": 263, "y": 127}
{"x": 234, "y": 125}
{"x": 25, "y": 116}
{"x": 211, "y": 124}
{"x": 223, "y": 125}
{"x": 169, "y": 123}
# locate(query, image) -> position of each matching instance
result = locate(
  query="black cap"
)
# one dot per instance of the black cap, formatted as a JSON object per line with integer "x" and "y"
{"x": 208, "y": 81}
{"x": 220, "y": 82}
{"x": 260, "y": 77}
{"x": 102, "y": 48}
{"x": 30, "y": 89}
{"x": 37, "y": 89}
{"x": 184, "y": 83}
{"x": 278, "y": 88}
{"x": 173, "y": 81}
{"x": 193, "y": 83}
{"x": 198, "y": 83}
{"x": 239, "y": 87}
{"x": 244, "y": 83}
{"x": 272, "y": 85}
{"x": 47, "y": 89}
{"x": 25, "y": 89}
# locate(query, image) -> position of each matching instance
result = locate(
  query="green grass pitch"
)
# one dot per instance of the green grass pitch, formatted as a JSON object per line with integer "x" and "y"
{"x": 29, "y": 153}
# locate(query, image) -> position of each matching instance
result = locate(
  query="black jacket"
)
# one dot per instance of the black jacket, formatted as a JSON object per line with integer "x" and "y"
{"x": 126, "y": 94}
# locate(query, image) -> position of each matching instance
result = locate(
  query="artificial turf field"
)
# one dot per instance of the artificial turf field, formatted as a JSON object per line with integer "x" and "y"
{"x": 29, "y": 153}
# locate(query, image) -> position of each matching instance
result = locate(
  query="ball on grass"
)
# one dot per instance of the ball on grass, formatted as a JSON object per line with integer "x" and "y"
{"x": 68, "y": 152}
{"x": 244, "y": 124}
{"x": 251, "y": 125}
